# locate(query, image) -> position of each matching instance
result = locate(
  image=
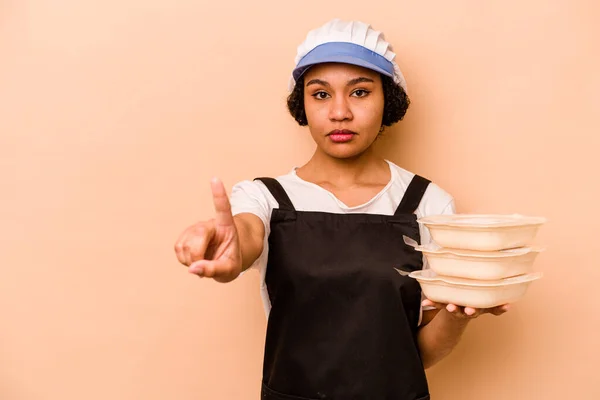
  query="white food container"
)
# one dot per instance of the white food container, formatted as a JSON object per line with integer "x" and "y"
{"x": 483, "y": 265}
{"x": 472, "y": 293}
{"x": 482, "y": 232}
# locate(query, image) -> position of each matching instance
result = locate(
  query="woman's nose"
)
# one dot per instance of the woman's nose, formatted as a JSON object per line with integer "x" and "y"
{"x": 339, "y": 109}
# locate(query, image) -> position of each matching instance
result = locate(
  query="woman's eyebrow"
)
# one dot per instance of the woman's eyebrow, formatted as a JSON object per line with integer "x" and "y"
{"x": 362, "y": 79}
{"x": 317, "y": 82}
{"x": 351, "y": 82}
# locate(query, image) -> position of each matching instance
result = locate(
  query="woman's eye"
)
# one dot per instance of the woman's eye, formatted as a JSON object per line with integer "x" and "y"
{"x": 360, "y": 93}
{"x": 320, "y": 95}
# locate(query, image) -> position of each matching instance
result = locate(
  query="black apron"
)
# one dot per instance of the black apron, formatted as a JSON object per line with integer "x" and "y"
{"x": 343, "y": 322}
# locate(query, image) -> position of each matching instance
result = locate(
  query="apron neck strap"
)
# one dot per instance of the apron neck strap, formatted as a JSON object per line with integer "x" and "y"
{"x": 278, "y": 192}
{"x": 413, "y": 195}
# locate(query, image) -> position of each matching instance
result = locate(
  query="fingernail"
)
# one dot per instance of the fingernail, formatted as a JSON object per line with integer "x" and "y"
{"x": 196, "y": 269}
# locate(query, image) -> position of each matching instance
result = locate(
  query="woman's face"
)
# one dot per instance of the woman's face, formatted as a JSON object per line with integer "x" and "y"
{"x": 344, "y": 108}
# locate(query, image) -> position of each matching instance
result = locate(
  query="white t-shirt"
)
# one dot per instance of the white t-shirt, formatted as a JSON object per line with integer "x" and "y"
{"x": 254, "y": 197}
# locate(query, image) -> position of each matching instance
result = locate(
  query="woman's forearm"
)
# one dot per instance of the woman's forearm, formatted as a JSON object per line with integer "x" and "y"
{"x": 439, "y": 337}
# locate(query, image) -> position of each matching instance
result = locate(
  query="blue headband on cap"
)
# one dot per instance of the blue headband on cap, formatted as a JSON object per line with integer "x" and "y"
{"x": 347, "y": 53}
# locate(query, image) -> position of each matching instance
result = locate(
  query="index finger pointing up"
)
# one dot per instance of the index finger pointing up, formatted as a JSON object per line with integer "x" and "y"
{"x": 222, "y": 207}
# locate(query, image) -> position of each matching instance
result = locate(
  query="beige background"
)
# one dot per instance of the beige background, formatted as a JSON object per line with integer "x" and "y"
{"x": 115, "y": 114}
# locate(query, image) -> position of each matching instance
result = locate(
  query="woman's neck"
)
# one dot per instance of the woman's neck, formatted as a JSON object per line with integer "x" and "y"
{"x": 365, "y": 170}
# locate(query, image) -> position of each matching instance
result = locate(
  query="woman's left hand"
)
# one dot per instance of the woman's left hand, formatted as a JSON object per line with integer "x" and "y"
{"x": 466, "y": 312}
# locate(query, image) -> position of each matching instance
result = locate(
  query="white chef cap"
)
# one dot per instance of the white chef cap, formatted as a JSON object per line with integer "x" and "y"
{"x": 349, "y": 42}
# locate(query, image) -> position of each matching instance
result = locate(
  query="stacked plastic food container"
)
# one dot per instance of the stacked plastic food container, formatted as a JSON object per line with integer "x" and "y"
{"x": 479, "y": 261}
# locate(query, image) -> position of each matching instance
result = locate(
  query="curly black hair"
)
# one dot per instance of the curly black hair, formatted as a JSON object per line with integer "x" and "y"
{"x": 395, "y": 102}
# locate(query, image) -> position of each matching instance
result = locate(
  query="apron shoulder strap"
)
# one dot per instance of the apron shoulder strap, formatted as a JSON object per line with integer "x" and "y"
{"x": 278, "y": 192}
{"x": 413, "y": 195}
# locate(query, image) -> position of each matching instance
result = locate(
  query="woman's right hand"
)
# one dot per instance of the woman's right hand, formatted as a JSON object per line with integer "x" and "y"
{"x": 212, "y": 248}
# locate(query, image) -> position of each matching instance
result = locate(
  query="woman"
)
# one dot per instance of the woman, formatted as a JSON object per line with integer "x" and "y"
{"x": 344, "y": 320}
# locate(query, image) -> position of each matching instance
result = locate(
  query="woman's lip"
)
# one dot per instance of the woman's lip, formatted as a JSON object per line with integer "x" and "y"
{"x": 342, "y": 132}
{"x": 341, "y": 137}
